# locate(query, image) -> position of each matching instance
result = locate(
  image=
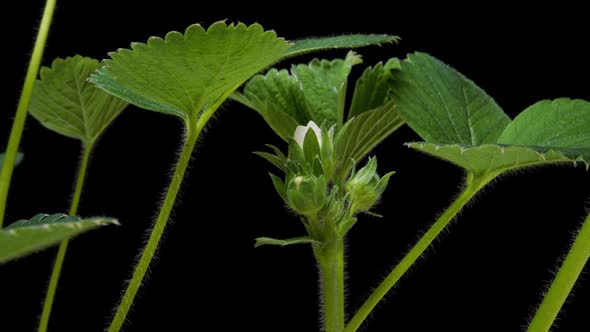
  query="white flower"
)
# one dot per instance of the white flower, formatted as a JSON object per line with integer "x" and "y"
{"x": 301, "y": 131}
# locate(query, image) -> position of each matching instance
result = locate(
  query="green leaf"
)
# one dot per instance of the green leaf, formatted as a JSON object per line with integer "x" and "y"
{"x": 19, "y": 158}
{"x": 324, "y": 87}
{"x": 186, "y": 74}
{"x": 443, "y": 106}
{"x": 262, "y": 241}
{"x": 463, "y": 125}
{"x": 345, "y": 41}
{"x": 308, "y": 92}
{"x": 278, "y": 98}
{"x": 556, "y": 123}
{"x": 65, "y": 102}
{"x": 364, "y": 132}
{"x": 373, "y": 88}
{"x": 493, "y": 159}
{"x": 27, "y": 236}
{"x": 547, "y": 132}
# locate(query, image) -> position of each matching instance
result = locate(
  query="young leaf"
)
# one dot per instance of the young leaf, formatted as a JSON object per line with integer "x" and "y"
{"x": 278, "y": 98}
{"x": 19, "y": 158}
{"x": 443, "y": 106}
{"x": 308, "y": 92}
{"x": 66, "y": 103}
{"x": 364, "y": 132}
{"x": 345, "y": 41}
{"x": 261, "y": 241}
{"x": 324, "y": 87}
{"x": 27, "y": 236}
{"x": 373, "y": 88}
{"x": 280, "y": 122}
{"x": 184, "y": 74}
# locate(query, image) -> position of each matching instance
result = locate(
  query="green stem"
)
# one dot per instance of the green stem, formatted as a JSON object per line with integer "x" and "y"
{"x": 564, "y": 281}
{"x": 63, "y": 247}
{"x": 23, "y": 106}
{"x": 473, "y": 185}
{"x": 331, "y": 263}
{"x": 148, "y": 252}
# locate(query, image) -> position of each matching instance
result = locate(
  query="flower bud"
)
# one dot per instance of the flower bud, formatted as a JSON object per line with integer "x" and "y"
{"x": 365, "y": 187}
{"x": 306, "y": 194}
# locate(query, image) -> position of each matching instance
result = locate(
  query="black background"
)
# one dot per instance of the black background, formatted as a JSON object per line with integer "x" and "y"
{"x": 486, "y": 274}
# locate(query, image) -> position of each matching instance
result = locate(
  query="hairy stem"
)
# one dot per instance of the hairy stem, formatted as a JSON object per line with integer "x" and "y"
{"x": 63, "y": 247}
{"x": 473, "y": 185}
{"x": 23, "y": 106}
{"x": 564, "y": 281}
{"x": 331, "y": 264}
{"x": 191, "y": 138}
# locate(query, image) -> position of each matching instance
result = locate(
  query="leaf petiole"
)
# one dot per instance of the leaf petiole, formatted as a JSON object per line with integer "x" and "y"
{"x": 191, "y": 138}
{"x": 473, "y": 185}
{"x": 564, "y": 281}
{"x": 63, "y": 247}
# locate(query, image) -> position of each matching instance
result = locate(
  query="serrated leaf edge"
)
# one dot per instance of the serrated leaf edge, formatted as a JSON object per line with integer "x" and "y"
{"x": 463, "y": 148}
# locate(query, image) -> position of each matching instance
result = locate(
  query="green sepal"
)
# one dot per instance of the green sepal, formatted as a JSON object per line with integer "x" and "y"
{"x": 346, "y": 225}
{"x": 311, "y": 146}
{"x": 277, "y": 161}
{"x": 295, "y": 151}
{"x": 327, "y": 153}
{"x": 279, "y": 186}
{"x": 277, "y": 151}
{"x": 383, "y": 182}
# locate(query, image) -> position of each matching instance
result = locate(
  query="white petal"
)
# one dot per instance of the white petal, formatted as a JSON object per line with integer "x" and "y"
{"x": 317, "y": 130}
{"x": 299, "y": 136}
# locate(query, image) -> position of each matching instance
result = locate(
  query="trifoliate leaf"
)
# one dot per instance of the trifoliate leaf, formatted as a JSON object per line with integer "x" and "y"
{"x": 27, "y": 236}
{"x": 484, "y": 141}
{"x": 262, "y": 241}
{"x": 373, "y": 88}
{"x": 184, "y": 74}
{"x": 445, "y": 107}
{"x": 19, "y": 158}
{"x": 344, "y": 41}
{"x": 65, "y": 102}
